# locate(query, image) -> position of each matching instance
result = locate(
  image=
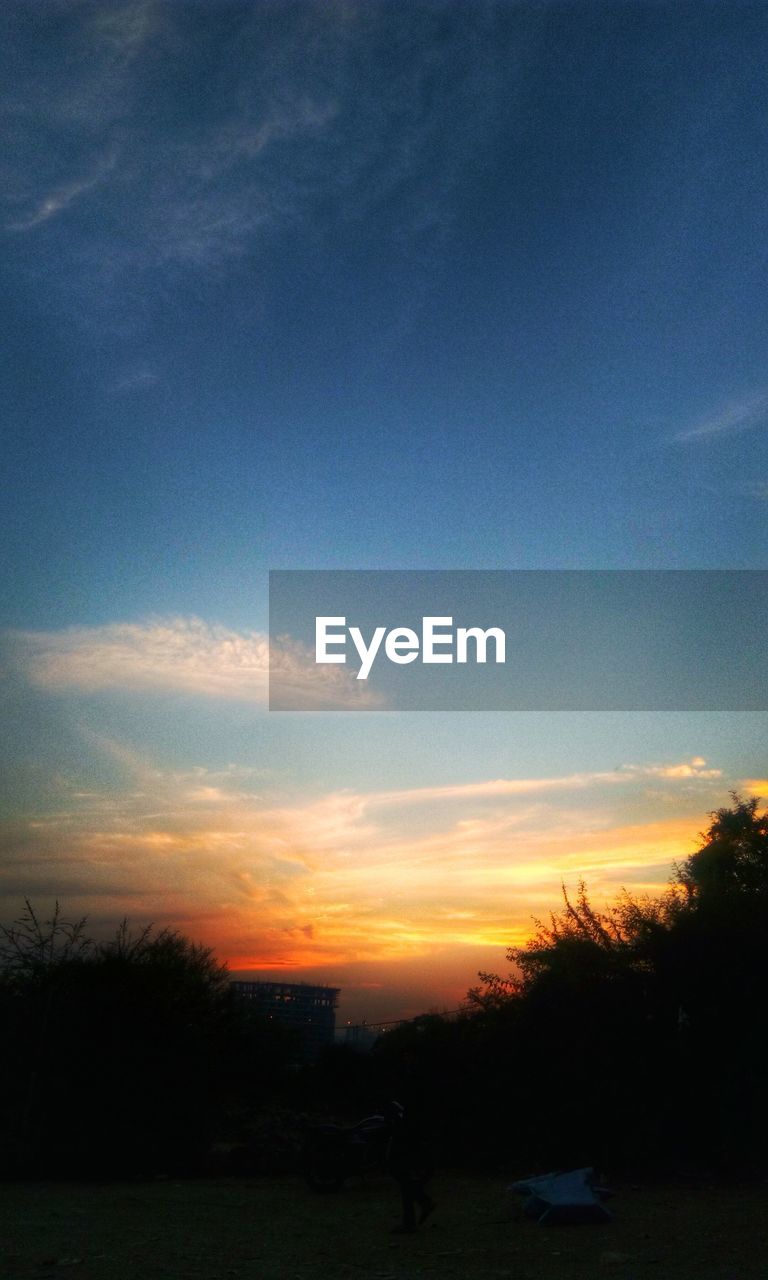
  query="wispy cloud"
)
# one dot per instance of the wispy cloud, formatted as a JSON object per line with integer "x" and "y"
{"x": 194, "y": 193}
{"x": 135, "y": 380}
{"x": 52, "y": 203}
{"x": 181, "y": 655}
{"x": 740, "y": 415}
{"x": 124, "y": 28}
{"x": 307, "y": 128}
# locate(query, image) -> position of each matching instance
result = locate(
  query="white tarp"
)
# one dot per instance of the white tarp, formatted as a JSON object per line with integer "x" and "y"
{"x": 562, "y": 1197}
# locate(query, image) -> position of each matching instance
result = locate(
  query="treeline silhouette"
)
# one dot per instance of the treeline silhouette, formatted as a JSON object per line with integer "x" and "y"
{"x": 124, "y": 1057}
{"x": 627, "y": 1036}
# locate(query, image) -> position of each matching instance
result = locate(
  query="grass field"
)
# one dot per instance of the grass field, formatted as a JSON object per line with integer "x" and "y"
{"x": 276, "y": 1229}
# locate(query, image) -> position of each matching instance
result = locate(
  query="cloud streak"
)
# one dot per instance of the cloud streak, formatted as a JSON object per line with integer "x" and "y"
{"x": 740, "y": 415}
{"x": 61, "y": 197}
{"x": 498, "y": 788}
{"x": 344, "y": 877}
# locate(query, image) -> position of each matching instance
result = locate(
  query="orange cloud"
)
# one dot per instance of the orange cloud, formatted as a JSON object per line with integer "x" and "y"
{"x": 755, "y": 786}
{"x": 347, "y": 878}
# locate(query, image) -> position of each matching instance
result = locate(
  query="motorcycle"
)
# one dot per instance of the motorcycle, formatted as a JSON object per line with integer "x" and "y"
{"x": 332, "y": 1152}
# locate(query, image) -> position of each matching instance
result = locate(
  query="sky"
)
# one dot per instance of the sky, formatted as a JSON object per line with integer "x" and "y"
{"x": 362, "y": 285}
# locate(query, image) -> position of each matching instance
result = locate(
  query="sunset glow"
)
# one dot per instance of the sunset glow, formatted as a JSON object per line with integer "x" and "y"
{"x": 306, "y": 285}
{"x": 421, "y": 885}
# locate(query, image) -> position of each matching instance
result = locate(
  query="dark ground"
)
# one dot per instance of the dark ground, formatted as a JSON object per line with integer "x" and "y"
{"x": 277, "y": 1229}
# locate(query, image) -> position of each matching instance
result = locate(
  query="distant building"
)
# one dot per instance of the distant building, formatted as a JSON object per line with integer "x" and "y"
{"x": 311, "y": 1011}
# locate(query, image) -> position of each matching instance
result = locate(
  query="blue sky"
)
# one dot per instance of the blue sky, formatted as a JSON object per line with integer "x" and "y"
{"x": 357, "y": 285}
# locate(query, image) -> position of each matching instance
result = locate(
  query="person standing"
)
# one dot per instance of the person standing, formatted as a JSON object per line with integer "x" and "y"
{"x": 409, "y": 1165}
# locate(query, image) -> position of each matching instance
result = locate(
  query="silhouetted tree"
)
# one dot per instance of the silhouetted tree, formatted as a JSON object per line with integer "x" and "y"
{"x": 721, "y": 972}
{"x": 731, "y": 866}
{"x": 611, "y": 1008}
{"x": 125, "y": 1055}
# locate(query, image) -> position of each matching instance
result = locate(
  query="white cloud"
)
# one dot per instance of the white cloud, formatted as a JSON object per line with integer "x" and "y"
{"x": 182, "y": 655}
{"x": 176, "y": 654}
{"x": 696, "y": 767}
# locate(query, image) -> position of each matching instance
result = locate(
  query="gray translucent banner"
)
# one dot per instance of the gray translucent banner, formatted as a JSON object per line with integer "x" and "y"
{"x": 519, "y": 640}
